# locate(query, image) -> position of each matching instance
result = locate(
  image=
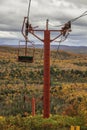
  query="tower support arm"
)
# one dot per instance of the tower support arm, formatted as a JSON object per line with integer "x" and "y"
{"x": 56, "y": 37}
{"x": 36, "y": 36}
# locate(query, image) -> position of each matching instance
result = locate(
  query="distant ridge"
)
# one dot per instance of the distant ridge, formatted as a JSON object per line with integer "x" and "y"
{"x": 73, "y": 49}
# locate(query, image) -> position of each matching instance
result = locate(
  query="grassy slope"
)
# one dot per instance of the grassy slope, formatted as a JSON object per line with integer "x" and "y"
{"x": 62, "y": 61}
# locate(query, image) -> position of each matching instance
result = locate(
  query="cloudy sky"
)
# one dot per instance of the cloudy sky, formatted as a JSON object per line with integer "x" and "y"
{"x": 58, "y": 12}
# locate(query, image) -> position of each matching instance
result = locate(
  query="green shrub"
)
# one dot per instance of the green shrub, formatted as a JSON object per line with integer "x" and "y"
{"x": 39, "y": 123}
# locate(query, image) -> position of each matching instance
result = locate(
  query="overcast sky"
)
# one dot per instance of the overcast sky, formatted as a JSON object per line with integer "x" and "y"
{"x": 58, "y": 12}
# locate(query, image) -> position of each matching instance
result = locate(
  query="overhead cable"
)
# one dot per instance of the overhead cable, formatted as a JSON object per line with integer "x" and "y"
{"x": 82, "y": 15}
{"x": 73, "y": 20}
{"x": 28, "y": 14}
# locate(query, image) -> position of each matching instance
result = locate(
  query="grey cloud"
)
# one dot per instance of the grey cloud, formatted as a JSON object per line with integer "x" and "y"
{"x": 58, "y": 11}
{"x": 83, "y": 2}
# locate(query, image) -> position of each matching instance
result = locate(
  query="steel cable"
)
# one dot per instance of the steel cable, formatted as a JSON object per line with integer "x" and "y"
{"x": 28, "y": 13}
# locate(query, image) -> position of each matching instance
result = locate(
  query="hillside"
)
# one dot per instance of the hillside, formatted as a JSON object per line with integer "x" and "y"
{"x": 19, "y": 82}
{"x": 65, "y": 64}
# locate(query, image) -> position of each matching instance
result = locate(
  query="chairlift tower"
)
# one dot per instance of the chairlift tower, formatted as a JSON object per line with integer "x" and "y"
{"x": 27, "y": 28}
{"x": 46, "y": 40}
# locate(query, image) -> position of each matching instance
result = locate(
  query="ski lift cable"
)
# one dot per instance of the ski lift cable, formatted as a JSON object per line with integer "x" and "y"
{"x": 28, "y": 13}
{"x": 82, "y": 15}
{"x": 72, "y": 20}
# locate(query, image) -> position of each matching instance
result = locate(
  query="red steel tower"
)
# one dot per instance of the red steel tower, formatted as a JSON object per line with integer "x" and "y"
{"x": 47, "y": 40}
